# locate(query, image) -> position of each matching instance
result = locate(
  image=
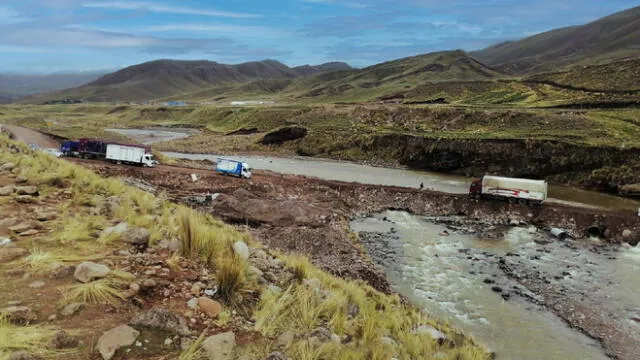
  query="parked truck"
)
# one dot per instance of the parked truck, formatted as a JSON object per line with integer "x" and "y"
{"x": 232, "y": 167}
{"x": 70, "y": 148}
{"x": 127, "y": 154}
{"x": 522, "y": 191}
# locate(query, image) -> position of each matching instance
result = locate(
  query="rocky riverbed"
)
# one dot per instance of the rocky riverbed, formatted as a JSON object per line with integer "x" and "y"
{"x": 464, "y": 270}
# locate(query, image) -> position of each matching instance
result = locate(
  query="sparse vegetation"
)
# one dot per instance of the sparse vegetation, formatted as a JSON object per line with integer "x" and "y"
{"x": 32, "y": 338}
{"x": 312, "y": 299}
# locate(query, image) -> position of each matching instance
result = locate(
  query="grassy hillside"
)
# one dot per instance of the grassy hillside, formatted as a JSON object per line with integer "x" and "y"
{"x": 613, "y": 37}
{"x": 619, "y": 76}
{"x": 162, "y": 78}
{"x": 256, "y": 313}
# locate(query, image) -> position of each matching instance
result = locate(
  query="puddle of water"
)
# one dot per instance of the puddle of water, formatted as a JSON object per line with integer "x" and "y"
{"x": 431, "y": 271}
{"x": 150, "y": 136}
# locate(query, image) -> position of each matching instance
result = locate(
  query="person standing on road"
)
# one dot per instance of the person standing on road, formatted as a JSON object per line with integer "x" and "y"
{"x": 421, "y": 186}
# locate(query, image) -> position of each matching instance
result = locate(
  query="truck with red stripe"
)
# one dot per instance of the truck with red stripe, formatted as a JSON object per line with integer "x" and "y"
{"x": 513, "y": 190}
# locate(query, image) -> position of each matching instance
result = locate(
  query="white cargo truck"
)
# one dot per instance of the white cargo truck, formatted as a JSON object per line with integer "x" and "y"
{"x": 522, "y": 191}
{"x": 127, "y": 154}
{"x": 232, "y": 167}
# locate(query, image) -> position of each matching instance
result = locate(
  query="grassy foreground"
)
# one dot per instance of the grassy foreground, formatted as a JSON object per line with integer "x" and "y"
{"x": 370, "y": 325}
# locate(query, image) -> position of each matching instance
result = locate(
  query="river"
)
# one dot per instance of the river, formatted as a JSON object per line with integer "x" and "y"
{"x": 446, "y": 276}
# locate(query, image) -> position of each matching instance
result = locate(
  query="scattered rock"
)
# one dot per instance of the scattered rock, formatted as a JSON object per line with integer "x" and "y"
{"x": 626, "y": 233}
{"x": 134, "y": 287}
{"x": 497, "y": 289}
{"x": 197, "y": 287}
{"x": 276, "y": 356}
{"x": 21, "y": 180}
{"x": 20, "y": 315}
{"x": 72, "y": 309}
{"x": 62, "y": 272}
{"x": 431, "y": 331}
{"x": 241, "y": 249}
{"x": 23, "y": 355}
{"x": 5, "y": 241}
{"x": 489, "y": 281}
{"x": 192, "y": 304}
{"x": 319, "y": 336}
{"x": 37, "y": 284}
{"x": 137, "y": 237}
{"x": 8, "y": 166}
{"x": 29, "y": 232}
{"x": 46, "y": 215}
{"x": 11, "y": 253}
{"x": 210, "y": 307}
{"x": 285, "y": 339}
{"x": 6, "y": 190}
{"x": 115, "y": 339}
{"x": 26, "y": 190}
{"x": 147, "y": 284}
{"x": 87, "y": 271}
{"x": 175, "y": 246}
{"x": 119, "y": 229}
{"x": 62, "y": 340}
{"x": 25, "y": 199}
{"x": 22, "y": 227}
{"x": 220, "y": 346}
{"x": 162, "y": 319}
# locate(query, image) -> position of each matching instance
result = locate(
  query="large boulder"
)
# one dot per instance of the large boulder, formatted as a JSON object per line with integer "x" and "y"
{"x": 11, "y": 253}
{"x": 220, "y": 346}
{"x": 115, "y": 339}
{"x": 162, "y": 319}
{"x": 210, "y": 307}
{"x": 137, "y": 237}
{"x": 88, "y": 271}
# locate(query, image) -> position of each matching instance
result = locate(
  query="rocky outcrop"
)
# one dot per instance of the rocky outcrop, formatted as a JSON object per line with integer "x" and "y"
{"x": 285, "y": 134}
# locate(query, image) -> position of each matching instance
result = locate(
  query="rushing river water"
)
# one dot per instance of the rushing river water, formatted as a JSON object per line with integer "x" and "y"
{"x": 352, "y": 172}
{"x": 444, "y": 275}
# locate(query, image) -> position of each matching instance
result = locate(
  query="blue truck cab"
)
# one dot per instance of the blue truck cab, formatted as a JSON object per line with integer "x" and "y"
{"x": 232, "y": 167}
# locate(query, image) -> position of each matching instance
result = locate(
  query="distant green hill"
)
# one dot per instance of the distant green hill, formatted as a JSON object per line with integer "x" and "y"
{"x": 611, "y": 38}
{"x": 163, "y": 78}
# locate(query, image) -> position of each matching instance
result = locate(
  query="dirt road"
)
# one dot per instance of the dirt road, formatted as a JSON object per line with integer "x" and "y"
{"x": 31, "y": 136}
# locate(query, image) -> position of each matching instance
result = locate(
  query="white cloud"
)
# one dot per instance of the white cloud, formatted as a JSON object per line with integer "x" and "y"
{"x": 159, "y": 8}
{"x": 9, "y": 16}
{"x": 214, "y": 29}
{"x": 350, "y": 4}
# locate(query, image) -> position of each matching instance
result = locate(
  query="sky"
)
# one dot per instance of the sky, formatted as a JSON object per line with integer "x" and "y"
{"x": 45, "y": 36}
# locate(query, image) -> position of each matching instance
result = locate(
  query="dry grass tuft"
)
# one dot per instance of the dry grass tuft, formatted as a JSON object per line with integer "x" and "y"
{"x": 33, "y": 338}
{"x": 103, "y": 291}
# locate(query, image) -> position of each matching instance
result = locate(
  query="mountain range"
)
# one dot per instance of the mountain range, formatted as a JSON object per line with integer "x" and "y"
{"x": 552, "y": 57}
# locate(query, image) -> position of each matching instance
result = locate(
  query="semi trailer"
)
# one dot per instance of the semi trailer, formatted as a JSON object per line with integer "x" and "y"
{"x": 127, "y": 154}
{"x": 522, "y": 191}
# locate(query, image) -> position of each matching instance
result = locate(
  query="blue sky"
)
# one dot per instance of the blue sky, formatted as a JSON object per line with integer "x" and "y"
{"x": 85, "y": 35}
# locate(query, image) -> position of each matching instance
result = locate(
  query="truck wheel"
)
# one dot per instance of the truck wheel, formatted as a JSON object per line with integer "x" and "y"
{"x": 522, "y": 201}
{"x": 511, "y": 200}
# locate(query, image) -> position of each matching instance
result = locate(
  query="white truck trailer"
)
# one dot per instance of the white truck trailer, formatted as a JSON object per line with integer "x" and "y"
{"x": 523, "y": 191}
{"x": 128, "y": 154}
